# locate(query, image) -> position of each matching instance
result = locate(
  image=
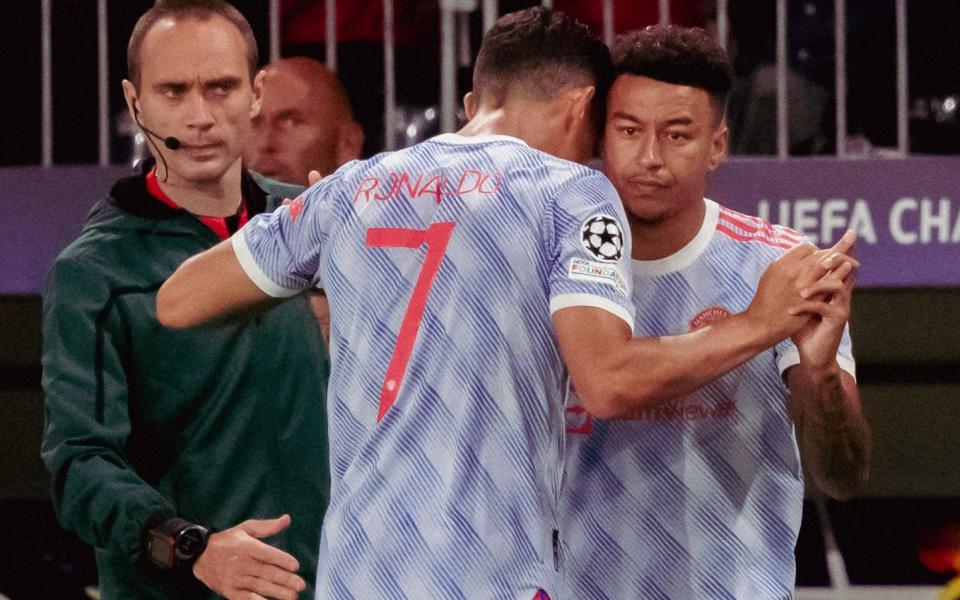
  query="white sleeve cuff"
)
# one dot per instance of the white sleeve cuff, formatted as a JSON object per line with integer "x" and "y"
{"x": 791, "y": 358}
{"x": 253, "y": 270}
{"x": 570, "y": 300}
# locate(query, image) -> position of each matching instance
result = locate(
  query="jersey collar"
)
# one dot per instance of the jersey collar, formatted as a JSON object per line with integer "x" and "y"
{"x": 131, "y": 195}
{"x": 686, "y": 255}
{"x": 456, "y": 138}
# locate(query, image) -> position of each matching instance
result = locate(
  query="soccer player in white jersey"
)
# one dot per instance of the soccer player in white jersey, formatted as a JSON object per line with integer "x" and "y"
{"x": 701, "y": 495}
{"x": 463, "y": 274}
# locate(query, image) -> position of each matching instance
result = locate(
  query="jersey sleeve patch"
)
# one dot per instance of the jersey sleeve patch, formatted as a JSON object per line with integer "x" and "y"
{"x": 602, "y": 237}
{"x": 597, "y": 272}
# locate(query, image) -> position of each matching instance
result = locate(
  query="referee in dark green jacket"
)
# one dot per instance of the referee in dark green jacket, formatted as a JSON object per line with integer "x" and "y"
{"x": 194, "y": 461}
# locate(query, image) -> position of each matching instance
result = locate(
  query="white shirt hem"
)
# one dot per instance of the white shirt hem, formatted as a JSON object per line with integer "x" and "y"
{"x": 253, "y": 270}
{"x": 791, "y": 358}
{"x": 571, "y": 300}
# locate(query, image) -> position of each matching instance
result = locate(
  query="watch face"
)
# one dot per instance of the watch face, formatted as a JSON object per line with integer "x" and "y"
{"x": 191, "y": 542}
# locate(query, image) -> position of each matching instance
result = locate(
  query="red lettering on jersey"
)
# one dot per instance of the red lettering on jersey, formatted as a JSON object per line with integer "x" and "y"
{"x": 677, "y": 410}
{"x": 707, "y": 316}
{"x": 437, "y": 190}
{"x": 486, "y": 187}
{"x": 404, "y": 184}
{"x": 369, "y": 184}
{"x": 296, "y": 207}
{"x": 405, "y": 180}
{"x": 477, "y": 180}
{"x": 391, "y": 191}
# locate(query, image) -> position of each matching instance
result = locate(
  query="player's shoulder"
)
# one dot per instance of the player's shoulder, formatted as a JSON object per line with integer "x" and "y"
{"x": 83, "y": 268}
{"x": 753, "y": 233}
{"x": 565, "y": 179}
{"x": 515, "y": 156}
{"x": 107, "y": 231}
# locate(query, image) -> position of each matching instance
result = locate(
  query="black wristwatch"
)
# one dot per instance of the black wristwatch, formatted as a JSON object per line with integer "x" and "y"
{"x": 176, "y": 542}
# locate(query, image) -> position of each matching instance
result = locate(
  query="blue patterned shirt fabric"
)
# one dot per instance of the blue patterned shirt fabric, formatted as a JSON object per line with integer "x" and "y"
{"x": 443, "y": 263}
{"x": 698, "y": 497}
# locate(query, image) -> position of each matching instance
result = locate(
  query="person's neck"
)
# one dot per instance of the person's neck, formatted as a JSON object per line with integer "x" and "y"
{"x": 215, "y": 198}
{"x": 516, "y": 118}
{"x": 653, "y": 240}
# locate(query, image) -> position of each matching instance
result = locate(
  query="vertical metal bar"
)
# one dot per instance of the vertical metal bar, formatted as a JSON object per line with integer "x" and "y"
{"x": 547, "y": 3}
{"x": 608, "y": 22}
{"x": 664, "y": 11}
{"x": 490, "y": 14}
{"x": 723, "y": 23}
{"x": 903, "y": 129}
{"x": 840, "y": 76}
{"x": 464, "y": 55}
{"x": 332, "y": 35}
{"x": 448, "y": 69}
{"x": 783, "y": 142}
{"x": 46, "y": 84}
{"x": 389, "y": 77}
{"x": 836, "y": 567}
{"x": 274, "y": 30}
{"x": 103, "y": 78}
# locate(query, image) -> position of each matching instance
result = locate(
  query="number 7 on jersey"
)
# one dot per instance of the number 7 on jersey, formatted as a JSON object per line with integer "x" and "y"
{"x": 435, "y": 237}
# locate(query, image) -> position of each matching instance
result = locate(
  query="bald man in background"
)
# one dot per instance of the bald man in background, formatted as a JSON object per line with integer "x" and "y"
{"x": 305, "y": 124}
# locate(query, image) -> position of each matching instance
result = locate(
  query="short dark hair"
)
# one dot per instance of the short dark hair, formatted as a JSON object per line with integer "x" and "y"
{"x": 201, "y": 10}
{"x": 539, "y": 52}
{"x": 677, "y": 55}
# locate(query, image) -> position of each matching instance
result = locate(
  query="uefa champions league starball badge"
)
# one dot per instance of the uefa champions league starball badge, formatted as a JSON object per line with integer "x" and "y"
{"x": 602, "y": 238}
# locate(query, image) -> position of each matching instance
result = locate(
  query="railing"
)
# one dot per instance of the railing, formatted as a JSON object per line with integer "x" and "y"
{"x": 449, "y": 40}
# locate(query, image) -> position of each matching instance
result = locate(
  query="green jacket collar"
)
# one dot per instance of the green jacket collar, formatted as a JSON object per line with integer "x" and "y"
{"x": 130, "y": 194}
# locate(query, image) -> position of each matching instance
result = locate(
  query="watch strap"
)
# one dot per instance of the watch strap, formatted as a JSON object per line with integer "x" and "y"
{"x": 161, "y": 543}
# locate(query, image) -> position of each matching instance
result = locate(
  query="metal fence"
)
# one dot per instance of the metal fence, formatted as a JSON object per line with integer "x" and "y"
{"x": 450, "y": 10}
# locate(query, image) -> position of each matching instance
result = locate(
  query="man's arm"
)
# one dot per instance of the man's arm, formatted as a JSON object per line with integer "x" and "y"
{"x": 275, "y": 255}
{"x": 616, "y": 374}
{"x": 236, "y": 564}
{"x": 833, "y": 436}
{"x": 96, "y": 492}
{"x": 205, "y": 286}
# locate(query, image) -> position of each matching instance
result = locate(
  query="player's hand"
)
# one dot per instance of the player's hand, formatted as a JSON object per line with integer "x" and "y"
{"x": 802, "y": 269}
{"x": 312, "y": 177}
{"x": 827, "y": 260}
{"x": 236, "y": 564}
{"x": 828, "y": 304}
{"x": 777, "y": 292}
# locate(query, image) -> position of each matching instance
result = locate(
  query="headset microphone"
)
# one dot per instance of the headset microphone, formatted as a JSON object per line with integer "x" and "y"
{"x": 169, "y": 141}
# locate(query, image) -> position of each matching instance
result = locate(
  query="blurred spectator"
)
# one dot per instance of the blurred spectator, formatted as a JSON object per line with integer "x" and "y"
{"x": 630, "y": 16}
{"x": 360, "y": 53}
{"x": 871, "y": 94}
{"x": 305, "y": 123}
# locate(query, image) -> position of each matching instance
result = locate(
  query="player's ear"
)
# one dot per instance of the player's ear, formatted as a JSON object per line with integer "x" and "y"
{"x": 130, "y": 95}
{"x": 580, "y": 102}
{"x": 718, "y": 145}
{"x": 257, "y": 93}
{"x": 350, "y": 142}
{"x": 470, "y": 105}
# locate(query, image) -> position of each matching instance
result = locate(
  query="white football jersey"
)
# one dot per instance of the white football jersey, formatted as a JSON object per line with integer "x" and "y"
{"x": 699, "y": 497}
{"x": 443, "y": 263}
